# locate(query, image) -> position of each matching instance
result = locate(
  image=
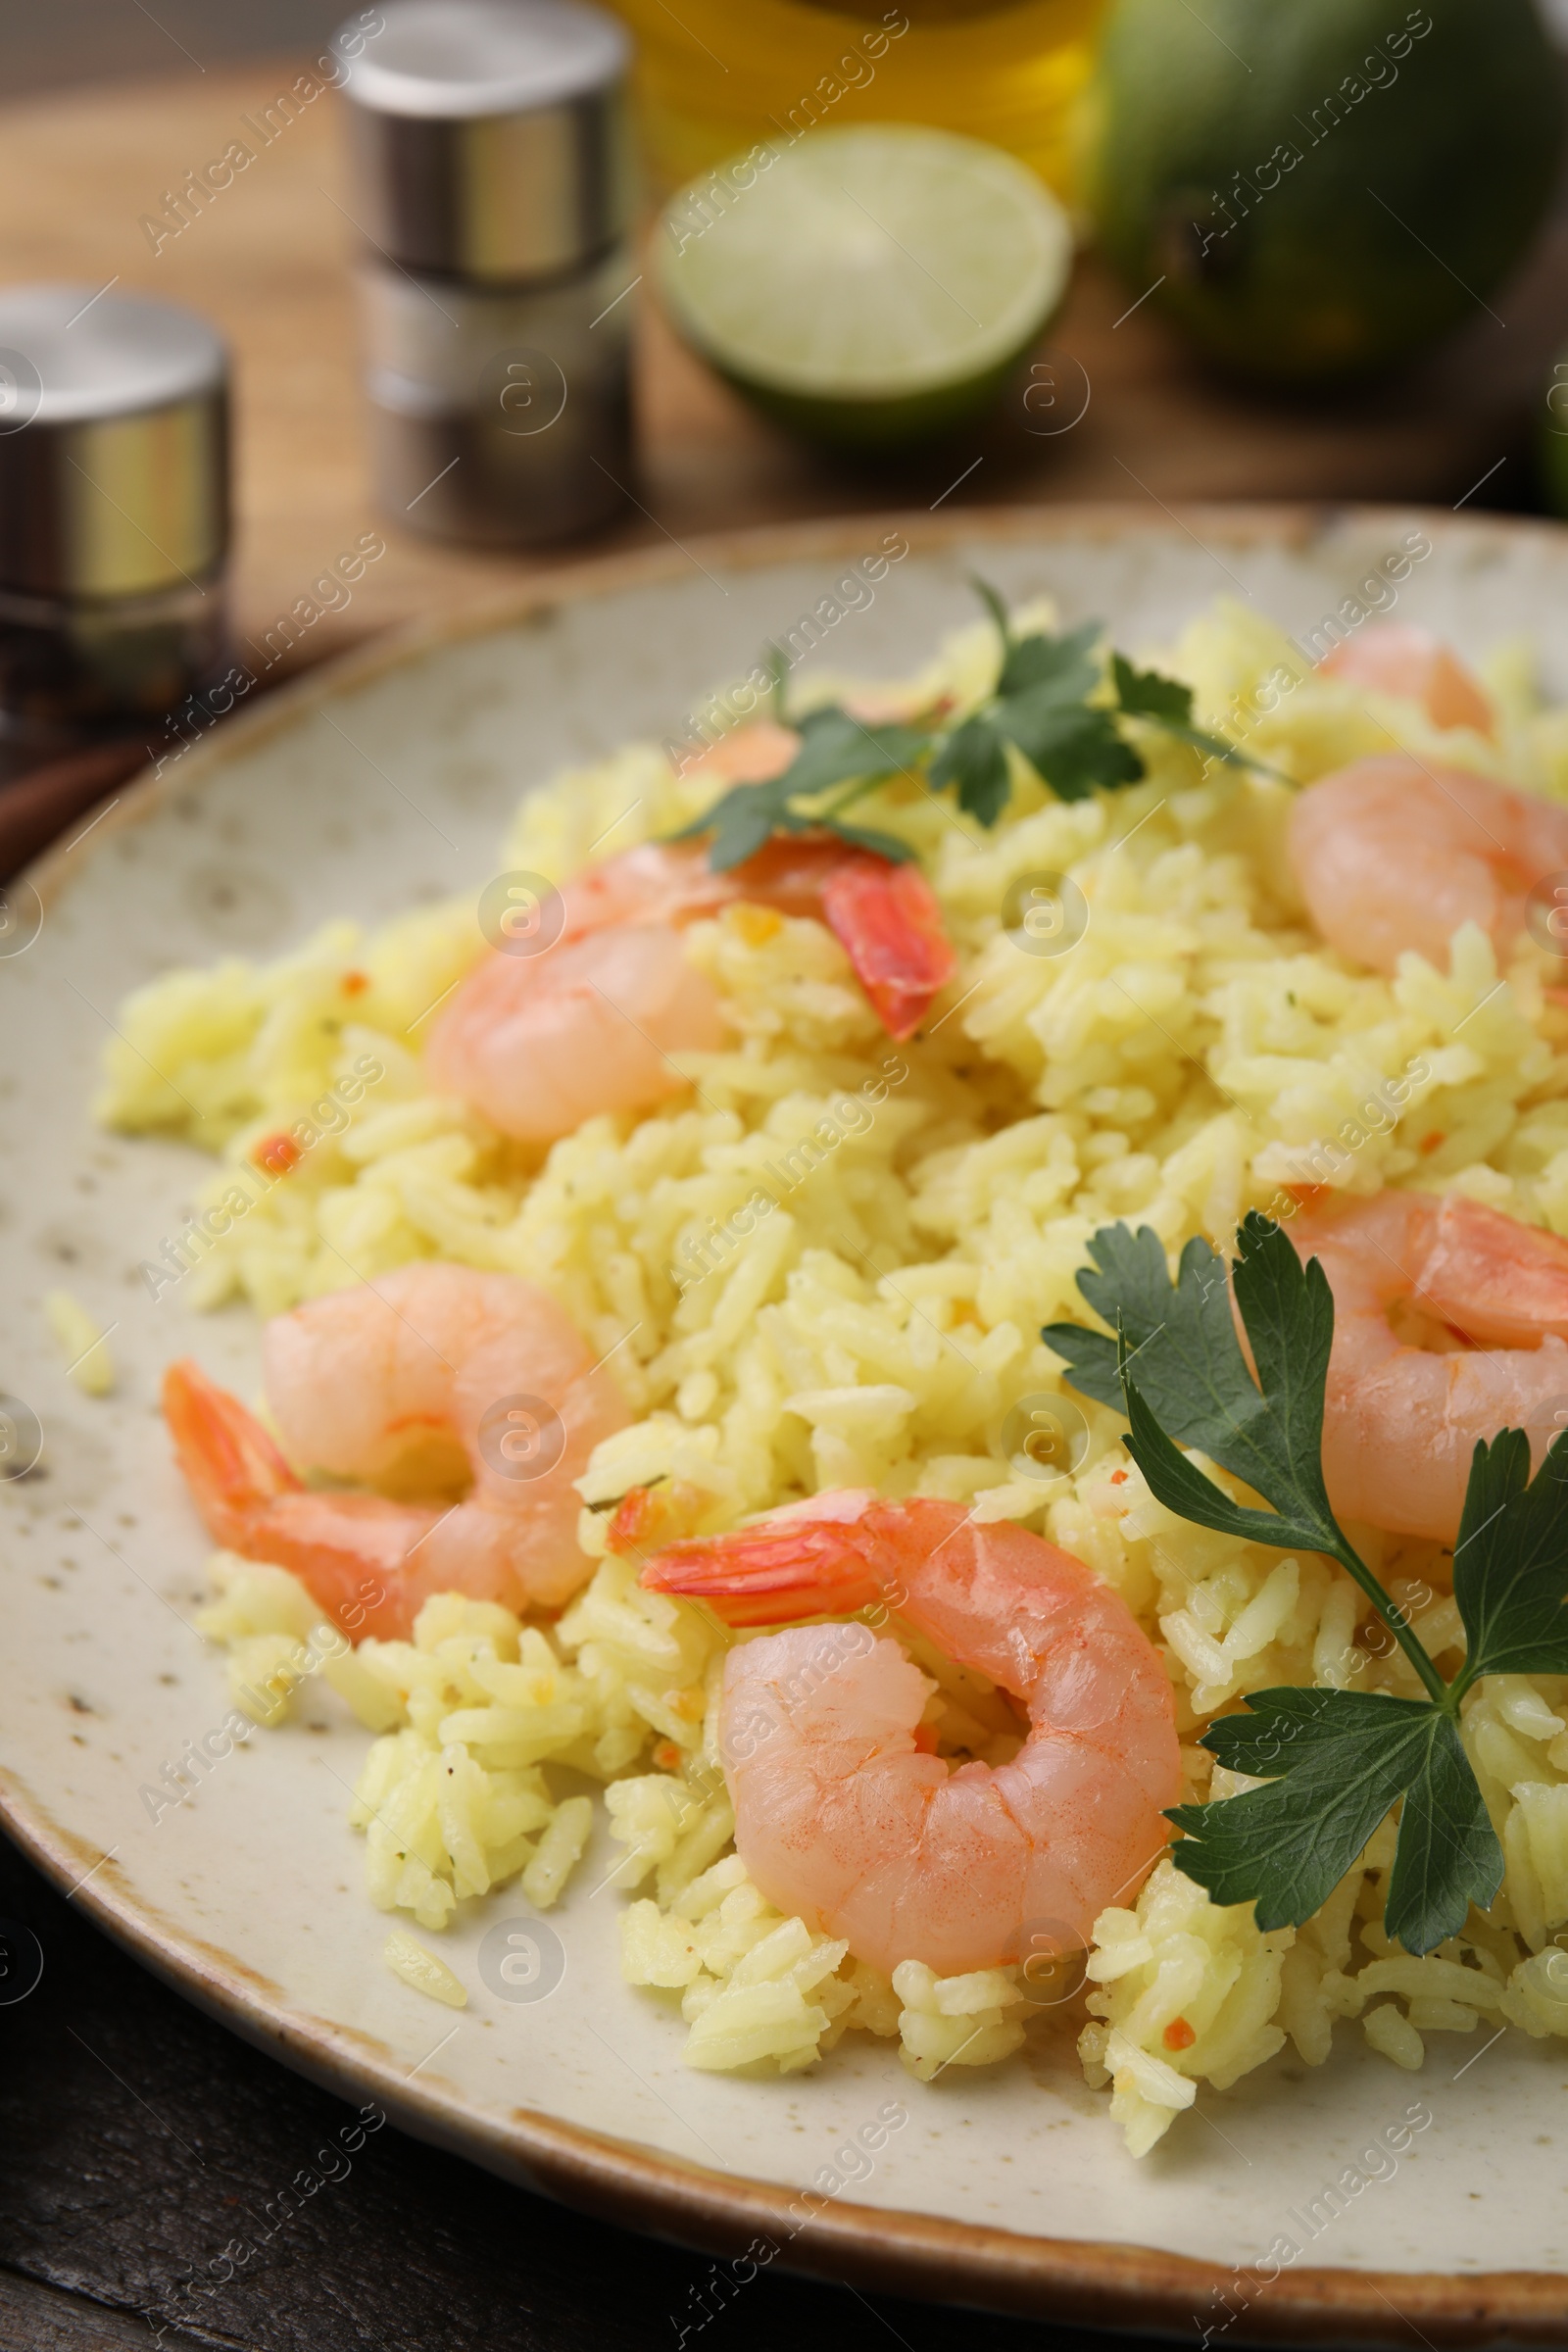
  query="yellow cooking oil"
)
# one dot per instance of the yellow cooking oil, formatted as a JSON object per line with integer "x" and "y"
{"x": 718, "y": 75}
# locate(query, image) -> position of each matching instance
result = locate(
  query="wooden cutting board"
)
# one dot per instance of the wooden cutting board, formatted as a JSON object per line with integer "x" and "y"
{"x": 269, "y": 261}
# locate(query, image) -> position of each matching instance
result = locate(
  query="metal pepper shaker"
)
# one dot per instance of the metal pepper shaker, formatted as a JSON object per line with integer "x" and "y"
{"x": 493, "y": 192}
{"x": 114, "y": 515}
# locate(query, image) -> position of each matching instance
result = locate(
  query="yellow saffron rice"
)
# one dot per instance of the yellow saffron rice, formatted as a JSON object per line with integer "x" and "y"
{"x": 1197, "y": 1053}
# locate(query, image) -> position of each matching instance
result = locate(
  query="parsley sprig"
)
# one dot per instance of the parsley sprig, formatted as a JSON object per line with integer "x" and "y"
{"x": 836, "y": 750}
{"x": 1049, "y": 703}
{"x": 1334, "y": 1761}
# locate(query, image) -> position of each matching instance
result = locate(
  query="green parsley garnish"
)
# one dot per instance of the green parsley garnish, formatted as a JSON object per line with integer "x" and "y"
{"x": 836, "y": 750}
{"x": 1334, "y": 1761}
{"x": 1049, "y": 705}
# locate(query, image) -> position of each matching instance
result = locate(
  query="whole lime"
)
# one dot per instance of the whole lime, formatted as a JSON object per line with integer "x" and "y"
{"x": 1317, "y": 188}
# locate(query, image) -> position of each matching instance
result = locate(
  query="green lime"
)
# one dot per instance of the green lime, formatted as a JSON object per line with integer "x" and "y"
{"x": 868, "y": 286}
{"x": 1317, "y": 189}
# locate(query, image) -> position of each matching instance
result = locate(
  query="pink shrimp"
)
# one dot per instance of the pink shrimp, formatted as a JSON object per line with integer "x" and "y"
{"x": 1450, "y": 1324}
{"x": 1393, "y": 855}
{"x": 594, "y": 1022}
{"x": 431, "y": 1371}
{"x": 749, "y": 755}
{"x": 842, "y": 1818}
{"x": 1395, "y": 657}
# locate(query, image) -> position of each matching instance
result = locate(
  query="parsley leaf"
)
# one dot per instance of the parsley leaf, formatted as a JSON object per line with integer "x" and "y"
{"x": 1168, "y": 704}
{"x": 1448, "y": 1856}
{"x": 835, "y": 749}
{"x": 1061, "y": 664}
{"x": 1073, "y": 746}
{"x": 740, "y": 822}
{"x": 1185, "y": 1374}
{"x": 975, "y": 760}
{"x": 777, "y": 665}
{"x": 1042, "y": 705}
{"x": 1511, "y": 1561}
{"x": 994, "y": 607}
{"x": 1333, "y": 1761}
{"x": 1145, "y": 694}
{"x": 1338, "y": 1760}
{"x": 1046, "y": 705}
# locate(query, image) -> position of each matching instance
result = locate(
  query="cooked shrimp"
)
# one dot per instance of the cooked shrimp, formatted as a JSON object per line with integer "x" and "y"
{"x": 1397, "y": 658}
{"x": 540, "y": 1043}
{"x": 432, "y": 1370}
{"x": 747, "y": 754}
{"x": 843, "y": 1819}
{"x": 1450, "y": 1323}
{"x": 1390, "y": 856}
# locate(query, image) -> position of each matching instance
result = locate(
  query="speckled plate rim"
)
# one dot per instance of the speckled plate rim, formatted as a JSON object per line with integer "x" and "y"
{"x": 1062, "y": 2280}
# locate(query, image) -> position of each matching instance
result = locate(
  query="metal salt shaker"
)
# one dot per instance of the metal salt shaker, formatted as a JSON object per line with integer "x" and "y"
{"x": 493, "y": 190}
{"x": 114, "y": 515}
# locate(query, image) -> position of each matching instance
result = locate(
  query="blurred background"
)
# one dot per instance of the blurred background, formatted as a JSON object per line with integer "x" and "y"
{"x": 1220, "y": 381}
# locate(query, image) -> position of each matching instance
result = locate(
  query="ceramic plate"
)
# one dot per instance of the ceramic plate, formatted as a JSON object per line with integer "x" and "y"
{"x": 1011, "y": 2191}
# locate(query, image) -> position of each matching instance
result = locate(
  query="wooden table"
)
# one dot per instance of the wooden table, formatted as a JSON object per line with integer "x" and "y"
{"x": 269, "y": 261}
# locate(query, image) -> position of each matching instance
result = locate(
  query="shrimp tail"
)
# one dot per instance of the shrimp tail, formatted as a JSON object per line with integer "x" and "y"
{"x": 887, "y": 919}
{"x": 231, "y": 1465}
{"x": 770, "y": 1575}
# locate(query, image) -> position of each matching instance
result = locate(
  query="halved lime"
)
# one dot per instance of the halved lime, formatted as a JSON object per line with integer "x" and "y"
{"x": 866, "y": 286}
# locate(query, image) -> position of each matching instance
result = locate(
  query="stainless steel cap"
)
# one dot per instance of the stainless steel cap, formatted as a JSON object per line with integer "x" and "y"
{"x": 113, "y": 443}
{"x": 490, "y": 137}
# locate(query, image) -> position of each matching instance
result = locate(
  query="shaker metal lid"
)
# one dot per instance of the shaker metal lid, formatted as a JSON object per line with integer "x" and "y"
{"x": 452, "y": 60}
{"x": 73, "y": 354}
{"x": 489, "y": 137}
{"x": 113, "y": 443}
